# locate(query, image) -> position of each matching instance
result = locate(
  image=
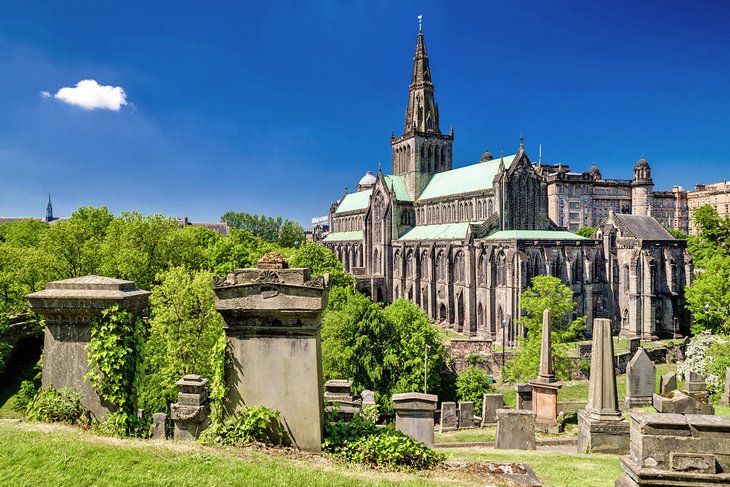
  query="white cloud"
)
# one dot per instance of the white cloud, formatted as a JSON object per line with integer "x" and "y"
{"x": 45, "y": 94}
{"x": 90, "y": 95}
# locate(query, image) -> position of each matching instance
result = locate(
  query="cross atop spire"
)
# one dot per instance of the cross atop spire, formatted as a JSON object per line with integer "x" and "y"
{"x": 420, "y": 23}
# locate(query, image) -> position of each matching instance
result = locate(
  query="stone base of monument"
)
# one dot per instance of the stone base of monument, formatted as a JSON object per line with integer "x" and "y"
{"x": 414, "y": 415}
{"x": 602, "y": 436}
{"x": 637, "y": 402}
{"x": 515, "y": 429}
{"x": 677, "y": 450}
{"x": 545, "y": 406}
{"x": 679, "y": 402}
{"x": 519, "y": 474}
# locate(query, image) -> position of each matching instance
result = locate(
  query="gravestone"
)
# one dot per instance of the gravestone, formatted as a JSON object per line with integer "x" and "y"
{"x": 449, "y": 419}
{"x": 339, "y": 399}
{"x": 190, "y": 413}
{"x": 272, "y": 320}
{"x": 696, "y": 386}
{"x": 725, "y": 399}
{"x": 678, "y": 402}
{"x": 490, "y": 404}
{"x": 368, "y": 399}
{"x": 524, "y": 396}
{"x": 159, "y": 421}
{"x": 633, "y": 344}
{"x": 677, "y": 450}
{"x": 69, "y": 308}
{"x": 601, "y": 427}
{"x": 466, "y": 414}
{"x": 640, "y": 380}
{"x": 545, "y": 387}
{"x": 668, "y": 383}
{"x": 414, "y": 415}
{"x": 515, "y": 430}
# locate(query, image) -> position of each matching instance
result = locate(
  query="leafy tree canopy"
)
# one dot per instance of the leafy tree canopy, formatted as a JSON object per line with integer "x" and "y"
{"x": 585, "y": 231}
{"x": 271, "y": 229}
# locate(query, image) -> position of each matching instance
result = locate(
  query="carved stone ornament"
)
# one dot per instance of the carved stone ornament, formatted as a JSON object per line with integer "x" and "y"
{"x": 318, "y": 282}
{"x": 268, "y": 277}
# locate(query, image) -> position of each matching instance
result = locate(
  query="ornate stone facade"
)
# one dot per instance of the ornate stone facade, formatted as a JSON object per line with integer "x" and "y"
{"x": 462, "y": 243}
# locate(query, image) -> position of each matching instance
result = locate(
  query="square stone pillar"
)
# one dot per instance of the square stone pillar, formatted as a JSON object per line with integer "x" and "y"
{"x": 190, "y": 413}
{"x": 414, "y": 415}
{"x": 70, "y": 307}
{"x": 272, "y": 321}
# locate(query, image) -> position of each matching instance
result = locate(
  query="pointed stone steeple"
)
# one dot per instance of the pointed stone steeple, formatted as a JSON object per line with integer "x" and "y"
{"x": 422, "y": 114}
{"x": 49, "y": 210}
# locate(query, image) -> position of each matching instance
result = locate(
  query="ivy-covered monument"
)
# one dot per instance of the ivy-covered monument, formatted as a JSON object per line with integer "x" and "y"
{"x": 464, "y": 243}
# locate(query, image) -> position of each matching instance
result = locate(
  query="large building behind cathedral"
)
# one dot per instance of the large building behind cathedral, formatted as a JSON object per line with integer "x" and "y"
{"x": 464, "y": 243}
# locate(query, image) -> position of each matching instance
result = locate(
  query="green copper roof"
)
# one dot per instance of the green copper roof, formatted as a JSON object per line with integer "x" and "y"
{"x": 477, "y": 177}
{"x": 342, "y": 236}
{"x": 534, "y": 235}
{"x": 437, "y": 232}
{"x": 398, "y": 185}
{"x": 355, "y": 201}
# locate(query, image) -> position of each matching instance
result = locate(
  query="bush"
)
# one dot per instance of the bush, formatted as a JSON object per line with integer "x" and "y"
{"x": 24, "y": 396}
{"x": 471, "y": 385}
{"x": 5, "y": 350}
{"x": 55, "y": 405}
{"x": 252, "y": 424}
{"x": 361, "y": 441}
{"x": 707, "y": 355}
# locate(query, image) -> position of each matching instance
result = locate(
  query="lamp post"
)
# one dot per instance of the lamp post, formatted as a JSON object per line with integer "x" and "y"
{"x": 504, "y": 324}
{"x": 425, "y": 371}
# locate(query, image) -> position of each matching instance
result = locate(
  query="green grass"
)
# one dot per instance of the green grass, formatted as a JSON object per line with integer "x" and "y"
{"x": 489, "y": 433}
{"x": 33, "y": 454}
{"x": 552, "y": 468}
{"x": 621, "y": 345}
{"x": 445, "y": 334}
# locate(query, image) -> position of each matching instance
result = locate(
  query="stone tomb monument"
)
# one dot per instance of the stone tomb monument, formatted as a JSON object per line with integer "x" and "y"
{"x": 695, "y": 385}
{"x": 190, "y": 412}
{"x": 515, "y": 429}
{"x": 466, "y": 414}
{"x": 601, "y": 427}
{"x": 414, "y": 415}
{"x": 545, "y": 387}
{"x": 449, "y": 417}
{"x": 272, "y": 321}
{"x": 339, "y": 399}
{"x": 524, "y": 396}
{"x": 640, "y": 380}
{"x": 677, "y": 450}
{"x": 725, "y": 399}
{"x": 69, "y": 308}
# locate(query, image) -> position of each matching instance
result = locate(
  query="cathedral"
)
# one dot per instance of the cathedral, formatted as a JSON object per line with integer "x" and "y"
{"x": 464, "y": 243}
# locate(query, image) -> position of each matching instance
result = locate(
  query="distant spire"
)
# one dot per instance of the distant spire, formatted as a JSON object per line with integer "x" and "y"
{"x": 49, "y": 209}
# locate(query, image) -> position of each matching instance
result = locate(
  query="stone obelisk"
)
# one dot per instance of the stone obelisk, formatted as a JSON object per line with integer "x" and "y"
{"x": 602, "y": 428}
{"x": 545, "y": 387}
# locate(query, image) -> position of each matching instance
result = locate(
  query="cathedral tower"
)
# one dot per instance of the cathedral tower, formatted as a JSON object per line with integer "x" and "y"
{"x": 642, "y": 189}
{"x": 422, "y": 150}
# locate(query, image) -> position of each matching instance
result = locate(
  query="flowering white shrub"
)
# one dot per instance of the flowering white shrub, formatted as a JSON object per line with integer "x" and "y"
{"x": 698, "y": 360}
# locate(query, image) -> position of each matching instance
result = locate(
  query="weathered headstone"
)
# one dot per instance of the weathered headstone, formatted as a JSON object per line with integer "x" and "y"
{"x": 466, "y": 414}
{"x": 695, "y": 385}
{"x": 677, "y": 450}
{"x": 515, "y": 429}
{"x": 490, "y": 404}
{"x": 272, "y": 320}
{"x": 725, "y": 399}
{"x": 414, "y": 415}
{"x": 640, "y": 380}
{"x": 69, "y": 308}
{"x": 668, "y": 383}
{"x": 339, "y": 399}
{"x": 545, "y": 387}
{"x": 601, "y": 427}
{"x": 524, "y": 396}
{"x": 159, "y": 422}
{"x": 368, "y": 398}
{"x": 633, "y": 344}
{"x": 190, "y": 413}
{"x": 449, "y": 419}
{"x": 678, "y": 402}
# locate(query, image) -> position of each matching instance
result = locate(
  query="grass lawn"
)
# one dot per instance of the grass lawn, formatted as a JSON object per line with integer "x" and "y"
{"x": 621, "y": 345}
{"x": 445, "y": 334}
{"x": 554, "y": 469}
{"x": 489, "y": 433}
{"x": 34, "y": 454}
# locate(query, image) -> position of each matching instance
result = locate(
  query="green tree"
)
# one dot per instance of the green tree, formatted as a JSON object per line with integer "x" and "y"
{"x": 184, "y": 328}
{"x": 545, "y": 292}
{"x": 321, "y": 260}
{"x": 585, "y": 231}
{"x": 241, "y": 249}
{"x": 471, "y": 385}
{"x": 23, "y": 233}
{"x": 712, "y": 235}
{"x": 708, "y": 298}
{"x": 291, "y": 234}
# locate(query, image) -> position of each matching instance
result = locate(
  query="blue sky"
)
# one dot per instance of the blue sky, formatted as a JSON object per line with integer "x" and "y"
{"x": 275, "y": 107}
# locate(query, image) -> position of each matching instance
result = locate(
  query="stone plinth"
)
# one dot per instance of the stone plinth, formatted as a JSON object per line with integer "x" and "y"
{"x": 159, "y": 421}
{"x": 339, "y": 399}
{"x": 368, "y": 399}
{"x": 640, "y": 380}
{"x": 695, "y": 385}
{"x": 545, "y": 387}
{"x": 414, "y": 415}
{"x": 725, "y": 399}
{"x": 272, "y": 322}
{"x": 678, "y": 402}
{"x": 69, "y": 308}
{"x": 515, "y": 429}
{"x": 449, "y": 417}
{"x": 524, "y": 396}
{"x": 677, "y": 450}
{"x": 466, "y": 414}
{"x": 490, "y": 404}
{"x": 190, "y": 412}
{"x": 601, "y": 427}
{"x": 668, "y": 383}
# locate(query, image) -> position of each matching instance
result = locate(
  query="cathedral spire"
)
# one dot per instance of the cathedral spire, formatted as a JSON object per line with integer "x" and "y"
{"x": 49, "y": 210}
{"x": 422, "y": 112}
